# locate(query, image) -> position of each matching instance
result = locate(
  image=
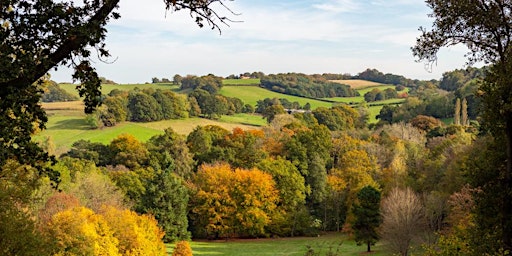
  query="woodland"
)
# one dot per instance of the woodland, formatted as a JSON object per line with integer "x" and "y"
{"x": 432, "y": 176}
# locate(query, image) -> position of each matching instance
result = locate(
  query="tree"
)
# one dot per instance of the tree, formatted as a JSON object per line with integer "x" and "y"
{"x": 170, "y": 150}
{"x": 37, "y": 36}
{"x": 464, "y": 112}
{"x": 138, "y": 235}
{"x": 166, "y": 198}
{"x": 456, "y": 117}
{"x": 126, "y": 150}
{"x": 368, "y": 218}
{"x": 230, "y": 202}
{"x": 403, "y": 219}
{"x": 484, "y": 27}
{"x": 80, "y": 231}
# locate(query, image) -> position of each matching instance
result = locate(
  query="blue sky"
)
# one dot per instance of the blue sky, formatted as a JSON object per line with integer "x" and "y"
{"x": 330, "y": 36}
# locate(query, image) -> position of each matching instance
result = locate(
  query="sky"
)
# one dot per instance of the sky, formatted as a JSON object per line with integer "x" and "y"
{"x": 271, "y": 36}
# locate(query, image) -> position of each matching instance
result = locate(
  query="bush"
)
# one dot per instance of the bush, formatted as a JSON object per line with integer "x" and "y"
{"x": 182, "y": 248}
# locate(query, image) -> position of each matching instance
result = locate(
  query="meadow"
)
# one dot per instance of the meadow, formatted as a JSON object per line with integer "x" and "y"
{"x": 251, "y": 81}
{"x": 297, "y": 246}
{"x": 251, "y": 94}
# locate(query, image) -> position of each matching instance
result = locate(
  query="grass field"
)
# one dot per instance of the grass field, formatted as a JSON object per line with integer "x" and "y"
{"x": 251, "y": 94}
{"x": 283, "y": 246}
{"x": 252, "y": 81}
{"x": 106, "y": 88}
{"x": 66, "y": 124}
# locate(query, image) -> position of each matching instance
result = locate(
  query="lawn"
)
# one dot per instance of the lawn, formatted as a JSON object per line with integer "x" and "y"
{"x": 333, "y": 242}
{"x": 251, "y": 94}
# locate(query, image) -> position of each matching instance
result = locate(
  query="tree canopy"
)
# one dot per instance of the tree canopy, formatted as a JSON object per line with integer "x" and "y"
{"x": 485, "y": 28}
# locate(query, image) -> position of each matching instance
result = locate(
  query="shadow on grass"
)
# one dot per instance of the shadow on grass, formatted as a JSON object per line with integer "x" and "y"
{"x": 71, "y": 124}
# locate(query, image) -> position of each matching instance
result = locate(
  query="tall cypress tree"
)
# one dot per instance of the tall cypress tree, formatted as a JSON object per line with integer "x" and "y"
{"x": 456, "y": 117}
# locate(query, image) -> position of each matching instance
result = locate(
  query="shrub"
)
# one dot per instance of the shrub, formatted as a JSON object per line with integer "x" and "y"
{"x": 182, "y": 248}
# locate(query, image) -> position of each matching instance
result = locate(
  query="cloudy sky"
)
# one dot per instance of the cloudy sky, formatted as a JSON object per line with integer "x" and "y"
{"x": 273, "y": 36}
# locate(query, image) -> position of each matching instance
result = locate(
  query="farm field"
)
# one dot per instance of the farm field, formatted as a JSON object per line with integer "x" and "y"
{"x": 283, "y": 246}
{"x": 357, "y": 83}
{"x": 251, "y": 94}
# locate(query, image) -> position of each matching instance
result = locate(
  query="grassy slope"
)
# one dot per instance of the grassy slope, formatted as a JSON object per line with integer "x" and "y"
{"x": 283, "y": 246}
{"x": 67, "y": 126}
{"x": 251, "y": 94}
{"x": 241, "y": 81}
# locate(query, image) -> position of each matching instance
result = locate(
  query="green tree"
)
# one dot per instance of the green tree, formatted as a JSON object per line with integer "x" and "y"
{"x": 292, "y": 193}
{"x": 166, "y": 198}
{"x": 126, "y": 150}
{"x": 368, "y": 218}
{"x": 170, "y": 150}
{"x": 144, "y": 108}
{"x": 484, "y": 27}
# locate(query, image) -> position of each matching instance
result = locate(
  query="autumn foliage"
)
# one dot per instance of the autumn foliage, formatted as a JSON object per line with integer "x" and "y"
{"x": 231, "y": 202}
{"x": 182, "y": 248}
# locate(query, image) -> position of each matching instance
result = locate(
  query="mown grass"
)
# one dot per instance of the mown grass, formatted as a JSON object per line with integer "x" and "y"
{"x": 335, "y": 243}
{"x": 251, "y": 94}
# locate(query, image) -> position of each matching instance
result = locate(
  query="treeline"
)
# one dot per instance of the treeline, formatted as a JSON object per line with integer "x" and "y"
{"x": 150, "y": 105}
{"x": 306, "y": 86}
{"x": 52, "y": 92}
{"x": 378, "y": 95}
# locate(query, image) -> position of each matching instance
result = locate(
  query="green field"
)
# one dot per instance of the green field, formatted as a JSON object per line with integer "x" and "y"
{"x": 106, "y": 88}
{"x": 67, "y": 126}
{"x": 252, "y": 81}
{"x": 251, "y": 94}
{"x": 283, "y": 246}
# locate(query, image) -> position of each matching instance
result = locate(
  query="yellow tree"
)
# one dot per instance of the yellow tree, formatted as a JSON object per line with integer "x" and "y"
{"x": 230, "y": 202}
{"x": 256, "y": 197}
{"x": 79, "y": 231}
{"x": 213, "y": 207}
{"x": 137, "y": 234}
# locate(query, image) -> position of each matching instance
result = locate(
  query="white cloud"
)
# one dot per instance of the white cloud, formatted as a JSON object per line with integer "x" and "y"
{"x": 339, "y": 6}
{"x": 339, "y": 36}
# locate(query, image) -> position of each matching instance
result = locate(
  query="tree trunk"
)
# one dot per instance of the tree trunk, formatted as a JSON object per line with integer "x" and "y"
{"x": 507, "y": 199}
{"x": 368, "y": 247}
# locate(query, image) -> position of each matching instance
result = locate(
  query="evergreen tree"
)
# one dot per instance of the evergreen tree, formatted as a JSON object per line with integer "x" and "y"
{"x": 464, "y": 112}
{"x": 456, "y": 117}
{"x": 368, "y": 218}
{"x": 166, "y": 198}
